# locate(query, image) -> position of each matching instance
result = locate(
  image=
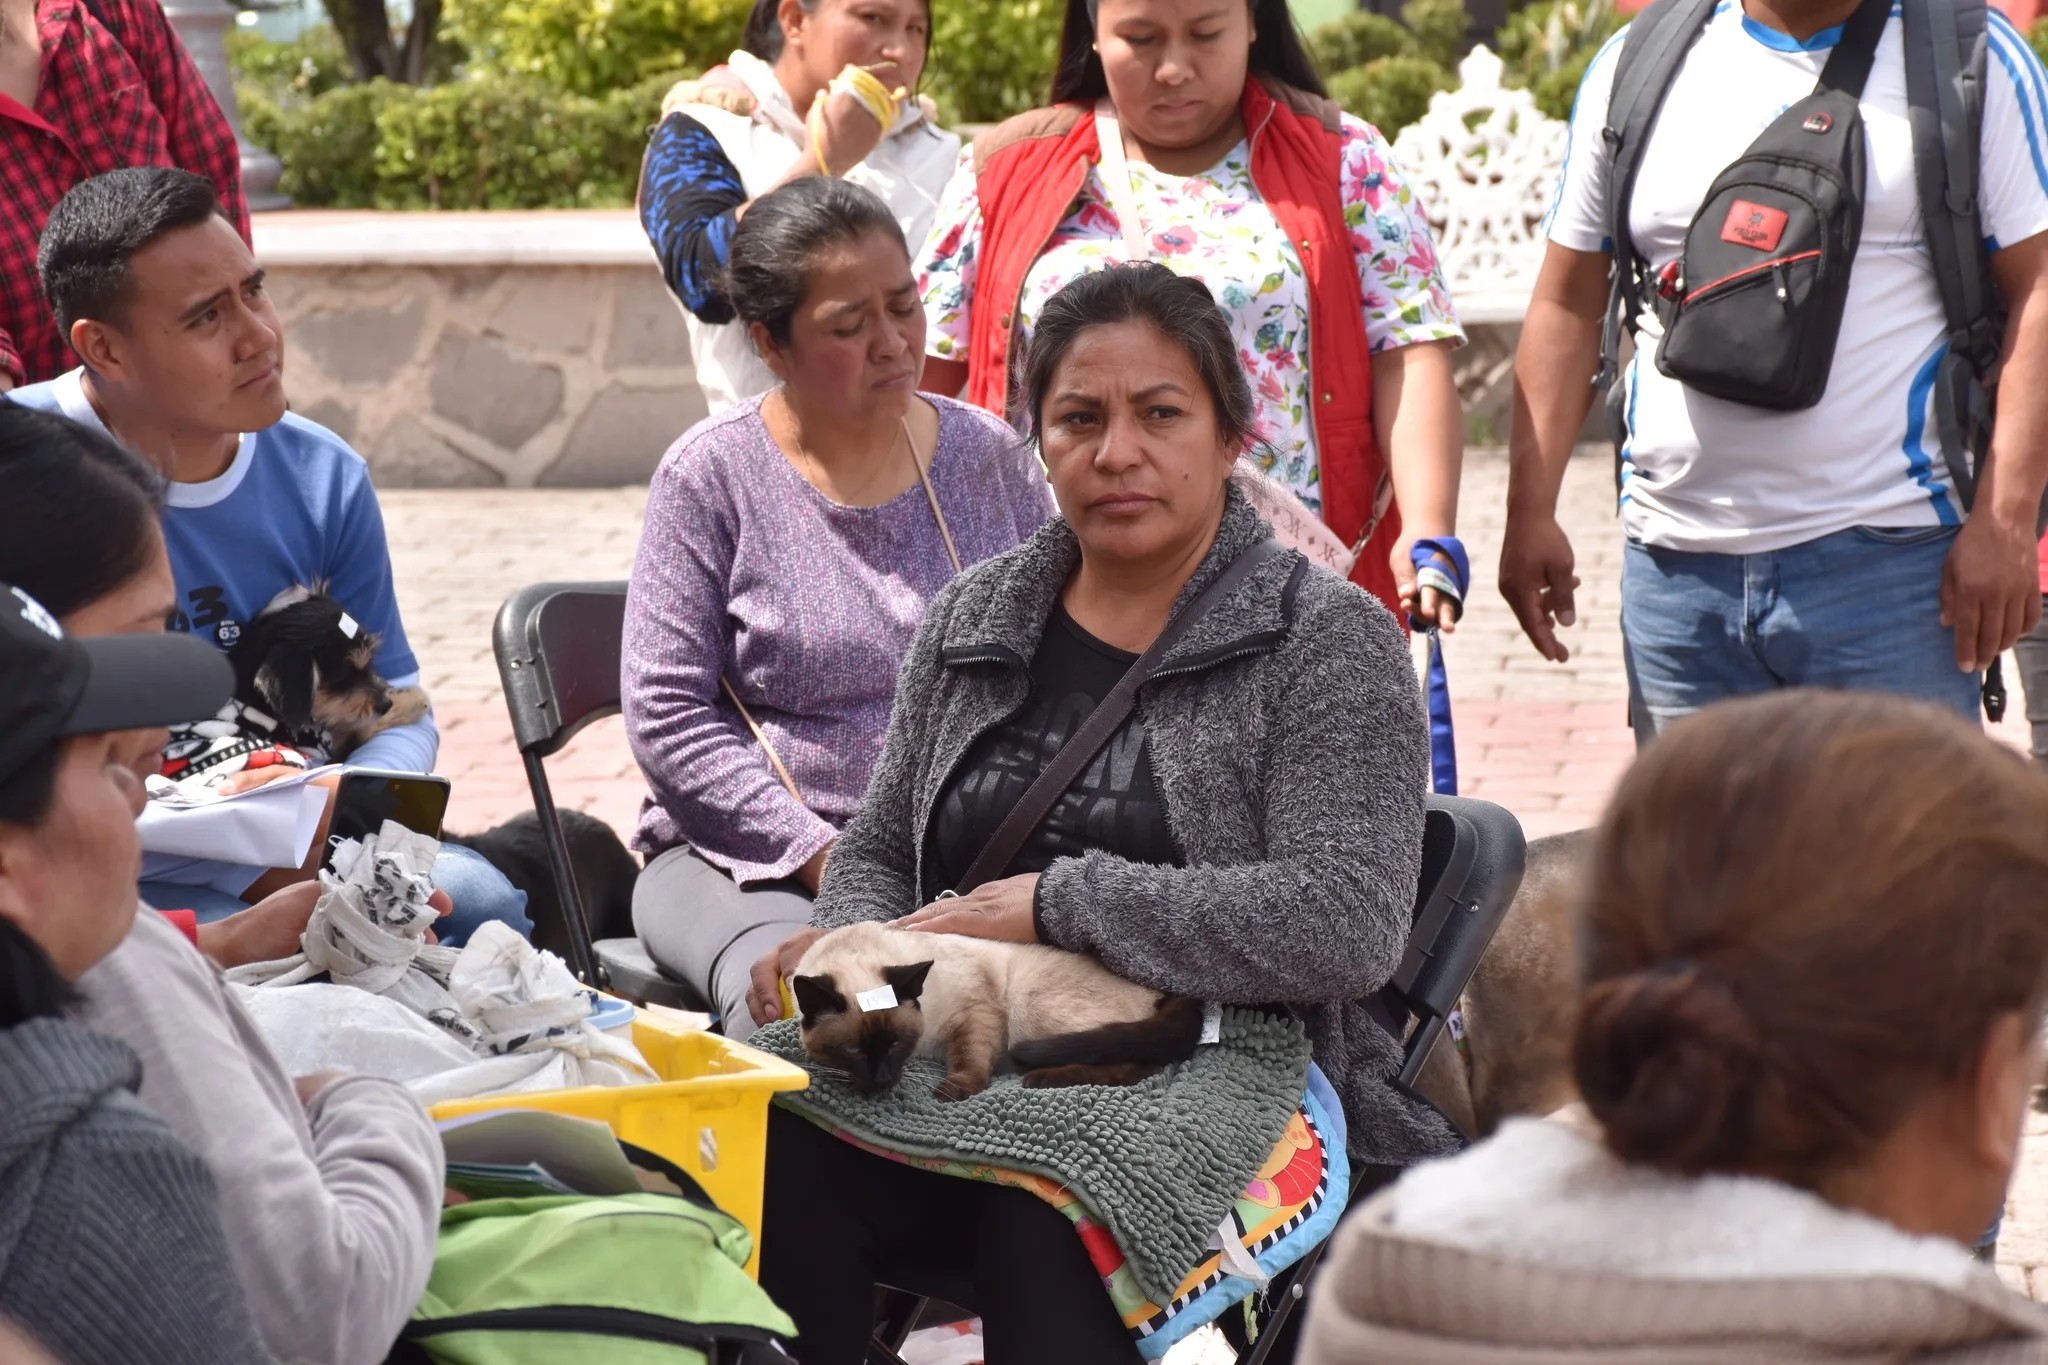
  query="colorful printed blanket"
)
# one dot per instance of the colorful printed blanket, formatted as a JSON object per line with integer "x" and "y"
{"x": 1246, "y": 1136}
{"x": 1290, "y": 1206}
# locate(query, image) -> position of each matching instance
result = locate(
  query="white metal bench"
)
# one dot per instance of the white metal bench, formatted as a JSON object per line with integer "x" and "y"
{"x": 1484, "y": 161}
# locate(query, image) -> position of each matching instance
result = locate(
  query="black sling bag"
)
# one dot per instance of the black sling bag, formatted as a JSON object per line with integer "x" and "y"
{"x": 1946, "y": 46}
{"x": 1945, "y": 52}
{"x": 1752, "y": 309}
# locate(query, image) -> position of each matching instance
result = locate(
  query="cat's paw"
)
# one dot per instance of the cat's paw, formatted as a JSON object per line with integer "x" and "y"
{"x": 959, "y": 1087}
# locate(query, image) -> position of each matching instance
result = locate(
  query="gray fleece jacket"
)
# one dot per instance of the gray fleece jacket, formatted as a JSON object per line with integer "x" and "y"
{"x": 1288, "y": 736}
{"x": 110, "y": 1241}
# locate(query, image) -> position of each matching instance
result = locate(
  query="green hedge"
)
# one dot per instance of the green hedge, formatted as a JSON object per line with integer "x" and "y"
{"x": 311, "y": 64}
{"x": 487, "y": 142}
{"x": 1390, "y": 92}
{"x": 1547, "y": 46}
{"x": 991, "y": 58}
{"x": 1384, "y": 71}
{"x": 595, "y": 48}
{"x": 551, "y": 104}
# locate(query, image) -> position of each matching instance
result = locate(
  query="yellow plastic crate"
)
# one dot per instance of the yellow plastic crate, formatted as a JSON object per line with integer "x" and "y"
{"x": 708, "y": 1114}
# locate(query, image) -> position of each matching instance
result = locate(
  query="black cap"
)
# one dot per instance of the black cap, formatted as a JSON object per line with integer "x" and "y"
{"x": 53, "y": 685}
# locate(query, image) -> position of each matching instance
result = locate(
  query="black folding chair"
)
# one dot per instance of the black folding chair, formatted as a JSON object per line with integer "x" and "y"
{"x": 1472, "y": 857}
{"x": 558, "y": 647}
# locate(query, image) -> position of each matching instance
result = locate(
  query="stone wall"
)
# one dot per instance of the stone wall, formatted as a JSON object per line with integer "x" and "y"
{"x": 542, "y": 349}
{"x": 482, "y": 375}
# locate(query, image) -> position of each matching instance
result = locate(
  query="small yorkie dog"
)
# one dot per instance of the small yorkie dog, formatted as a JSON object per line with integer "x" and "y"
{"x": 305, "y": 663}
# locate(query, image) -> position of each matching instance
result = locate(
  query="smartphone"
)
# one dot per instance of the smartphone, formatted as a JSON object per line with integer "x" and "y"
{"x": 365, "y": 798}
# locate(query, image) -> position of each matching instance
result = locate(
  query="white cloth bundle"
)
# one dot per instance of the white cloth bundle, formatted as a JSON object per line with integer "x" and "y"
{"x": 494, "y": 1016}
{"x": 369, "y": 930}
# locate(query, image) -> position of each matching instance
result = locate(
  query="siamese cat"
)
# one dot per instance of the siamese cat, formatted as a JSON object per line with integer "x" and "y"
{"x": 872, "y": 997}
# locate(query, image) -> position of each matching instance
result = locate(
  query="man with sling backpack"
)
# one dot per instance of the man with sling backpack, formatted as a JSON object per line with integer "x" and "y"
{"x": 1810, "y": 483}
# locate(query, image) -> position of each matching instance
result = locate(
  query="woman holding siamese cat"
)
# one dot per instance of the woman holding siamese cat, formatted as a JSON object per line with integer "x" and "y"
{"x": 789, "y": 548}
{"x": 1250, "y": 831}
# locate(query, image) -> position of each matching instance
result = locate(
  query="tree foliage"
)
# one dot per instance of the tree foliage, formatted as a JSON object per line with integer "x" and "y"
{"x": 487, "y": 142}
{"x": 1384, "y": 70}
{"x": 1546, "y": 47}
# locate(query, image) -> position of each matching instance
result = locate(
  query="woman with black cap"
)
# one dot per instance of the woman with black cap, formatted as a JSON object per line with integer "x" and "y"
{"x": 110, "y": 1239}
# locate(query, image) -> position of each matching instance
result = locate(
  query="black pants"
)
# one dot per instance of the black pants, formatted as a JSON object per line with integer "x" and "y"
{"x": 837, "y": 1221}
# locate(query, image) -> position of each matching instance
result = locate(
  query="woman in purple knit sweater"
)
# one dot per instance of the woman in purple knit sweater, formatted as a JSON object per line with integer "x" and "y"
{"x": 789, "y": 550}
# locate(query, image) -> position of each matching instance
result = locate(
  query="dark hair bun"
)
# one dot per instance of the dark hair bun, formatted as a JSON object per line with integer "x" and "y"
{"x": 1666, "y": 1060}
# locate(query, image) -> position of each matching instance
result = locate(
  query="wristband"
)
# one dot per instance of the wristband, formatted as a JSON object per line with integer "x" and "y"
{"x": 1441, "y": 563}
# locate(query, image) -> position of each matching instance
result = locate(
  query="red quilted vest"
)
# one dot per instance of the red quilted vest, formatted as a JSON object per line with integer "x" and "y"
{"x": 1027, "y": 173}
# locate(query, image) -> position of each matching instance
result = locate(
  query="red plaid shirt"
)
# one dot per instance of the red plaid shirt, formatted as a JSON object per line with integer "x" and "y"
{"x": 117, "y": 90}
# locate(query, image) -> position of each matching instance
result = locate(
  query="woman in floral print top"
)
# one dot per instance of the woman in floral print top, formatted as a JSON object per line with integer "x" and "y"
{"x": 1172, "y": 72}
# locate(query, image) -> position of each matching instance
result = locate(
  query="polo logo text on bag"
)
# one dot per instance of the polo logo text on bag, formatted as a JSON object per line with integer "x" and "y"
{"x": 1754, "y": 225}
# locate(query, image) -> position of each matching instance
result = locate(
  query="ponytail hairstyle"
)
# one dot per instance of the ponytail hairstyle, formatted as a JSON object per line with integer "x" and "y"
{"x": 1278, "y": 53}
{"x": 763, "y": 33}
{"x": 30, "y": 986}
{"x": 1804, "y": 912}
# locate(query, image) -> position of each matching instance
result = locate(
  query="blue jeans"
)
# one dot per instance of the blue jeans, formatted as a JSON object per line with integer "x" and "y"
{"x": 480, "y": 892}
{"x": 1858, "y": 610}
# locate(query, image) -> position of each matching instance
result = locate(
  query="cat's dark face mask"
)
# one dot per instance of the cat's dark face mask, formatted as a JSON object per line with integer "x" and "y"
{"x": 869, "y": 1045}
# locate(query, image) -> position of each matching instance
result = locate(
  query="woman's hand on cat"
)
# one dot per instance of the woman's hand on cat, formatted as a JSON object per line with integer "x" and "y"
{"x": 764, "y": 988}
{"x": 1001, "y": 910}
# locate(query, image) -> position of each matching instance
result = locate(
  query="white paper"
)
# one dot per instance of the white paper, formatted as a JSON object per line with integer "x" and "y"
{"x": 272, "y": 826}
{"x": 1212, "y": 1023}
{"x": 164, "y": 792}
{"x": 882, "y": 997}
{"x": 581, "y": 1153}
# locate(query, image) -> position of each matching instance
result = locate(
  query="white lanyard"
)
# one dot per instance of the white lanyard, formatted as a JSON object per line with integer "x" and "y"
{"x": 1116, "y": 179}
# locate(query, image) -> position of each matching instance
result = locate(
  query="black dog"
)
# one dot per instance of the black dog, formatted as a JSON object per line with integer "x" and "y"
{"x": 307, "y": 664}
{"x": 605, "y": 873}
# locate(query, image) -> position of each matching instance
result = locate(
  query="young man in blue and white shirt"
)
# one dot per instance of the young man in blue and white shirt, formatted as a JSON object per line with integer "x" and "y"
{"x": 183, "y": 362}
{"x": 1823, "y": 547}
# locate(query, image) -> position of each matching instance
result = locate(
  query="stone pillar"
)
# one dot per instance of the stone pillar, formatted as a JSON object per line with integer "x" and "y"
{"x": 202, "y": 24}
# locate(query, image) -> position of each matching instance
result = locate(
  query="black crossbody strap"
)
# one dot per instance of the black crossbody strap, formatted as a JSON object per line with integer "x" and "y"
{"x": 1657, "y": 41}
{"x": 1848, "y": 66}
{"x": 1076, "y": 753}
{"x": 1945, "y": 56}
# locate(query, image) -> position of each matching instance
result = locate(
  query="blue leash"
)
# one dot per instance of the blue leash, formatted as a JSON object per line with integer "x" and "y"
{"x": 1441, "y": 563}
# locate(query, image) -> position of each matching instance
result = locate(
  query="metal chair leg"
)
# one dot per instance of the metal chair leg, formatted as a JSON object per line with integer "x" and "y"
{"x": 581, "y": 955}
{"x": 1286, "y": 1302}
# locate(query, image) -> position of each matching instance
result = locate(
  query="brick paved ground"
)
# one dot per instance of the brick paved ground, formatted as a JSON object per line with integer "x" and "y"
{"x": 1547, "y": 741}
